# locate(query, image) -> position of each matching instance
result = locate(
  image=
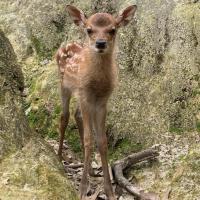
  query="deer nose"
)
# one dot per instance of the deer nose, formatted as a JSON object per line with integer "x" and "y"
{"x": 101, "y": 44}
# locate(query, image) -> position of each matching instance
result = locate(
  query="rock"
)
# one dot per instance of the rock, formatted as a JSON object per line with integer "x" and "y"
{"x": 30, "y": 32}
{"x": 103, "y": 197}
{"x": 44, "y": 62}
{"x": 126, "y": 197}
{"x": 94, "y": 165}
{"x": 29, "y": 169}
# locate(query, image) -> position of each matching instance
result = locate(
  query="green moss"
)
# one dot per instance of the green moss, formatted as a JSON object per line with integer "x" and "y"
{"x": 124, "y": 147}
{"x": 52, "y": 129}
{"x": 57, "y": 110}
{"x": 32, "y": 86}
{"x": 41, "y": 49}
{"x": 52, "y": 134}
{"x": 73, "y": 139}
{"x": 39, "y": 119}
{"x": 195, "y": 93}
{"x": 38, "y": 46}
{"x": 44, "y": 121}
{"x": 198, "y": 126}
{"x": 174, "y": 129}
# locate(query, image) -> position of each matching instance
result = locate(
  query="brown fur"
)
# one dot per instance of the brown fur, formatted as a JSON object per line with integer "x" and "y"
{"x": 91, "y": 74}
{"x": 101, "y": 19}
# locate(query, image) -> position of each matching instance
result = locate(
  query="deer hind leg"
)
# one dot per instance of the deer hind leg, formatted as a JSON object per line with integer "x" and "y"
{"x": 79, "y": 122}
{"x": 66, "y": 96}
{"x": 101, "y": 139}
{"x": 87, "y": 127}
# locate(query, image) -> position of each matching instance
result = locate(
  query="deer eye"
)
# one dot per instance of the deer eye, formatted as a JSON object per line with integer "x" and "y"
{"x": 112, "y": 31}
{"x": 89, "y": 30}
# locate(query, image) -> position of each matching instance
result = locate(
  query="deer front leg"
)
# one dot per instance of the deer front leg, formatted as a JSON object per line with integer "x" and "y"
{"x": 99, "y": 126}
{"x": 86, "y": 115}
{"x": 79, "y": 122}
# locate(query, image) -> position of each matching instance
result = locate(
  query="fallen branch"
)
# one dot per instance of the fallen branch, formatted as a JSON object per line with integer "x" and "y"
{"x": 127, "y": 162}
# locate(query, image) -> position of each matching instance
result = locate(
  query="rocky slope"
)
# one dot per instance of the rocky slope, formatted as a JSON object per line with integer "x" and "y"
{"x": 158, "y": 96}
{"x": 28, "y": 167}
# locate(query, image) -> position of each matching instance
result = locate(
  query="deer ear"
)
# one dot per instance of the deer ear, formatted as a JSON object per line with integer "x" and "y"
{"x": 126, "y": 15}
{"x": 77, "y": 15}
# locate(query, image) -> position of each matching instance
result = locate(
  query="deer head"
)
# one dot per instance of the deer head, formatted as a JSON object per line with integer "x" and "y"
{"x": 101, "y": 28}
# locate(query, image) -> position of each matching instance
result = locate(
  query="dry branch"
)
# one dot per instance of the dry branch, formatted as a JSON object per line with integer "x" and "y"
{"x": 127, "y": 162}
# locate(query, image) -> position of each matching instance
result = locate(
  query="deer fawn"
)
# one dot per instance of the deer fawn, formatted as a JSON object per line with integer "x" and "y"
{"x": 90, "y": 72}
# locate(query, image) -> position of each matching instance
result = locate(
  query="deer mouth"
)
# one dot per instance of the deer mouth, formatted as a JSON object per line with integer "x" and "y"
{"x": 100, "y": 50}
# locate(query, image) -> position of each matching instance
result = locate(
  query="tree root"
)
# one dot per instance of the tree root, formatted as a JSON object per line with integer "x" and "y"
{"x": 127, "y": 162}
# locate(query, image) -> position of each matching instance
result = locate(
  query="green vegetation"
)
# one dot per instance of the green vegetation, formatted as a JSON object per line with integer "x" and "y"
{"x": 198, "y": 126}
{"x": 73, "y": 139}
{"x": 41, "y": 50}
{"x": 44, "y": 121}
{"x": 38, "y": 119}
{"x": 122, "y": 148}
{"x": 177, "y": 130}
{"x": 195, "y": 93}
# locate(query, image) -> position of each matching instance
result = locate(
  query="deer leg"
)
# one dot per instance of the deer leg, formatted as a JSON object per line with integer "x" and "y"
{"x": 79, "y": 122}
{"x": 101, "y": 139}
{"x": 66, "y": 96}
{"x": 86, "y": 114}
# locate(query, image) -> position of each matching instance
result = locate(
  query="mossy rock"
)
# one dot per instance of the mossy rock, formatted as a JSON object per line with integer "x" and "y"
{"x": 34, "y": 173}
{"x": 29, "y": 168}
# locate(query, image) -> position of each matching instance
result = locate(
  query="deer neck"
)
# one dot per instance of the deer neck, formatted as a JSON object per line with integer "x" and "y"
{"x": 100, "y": 63}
